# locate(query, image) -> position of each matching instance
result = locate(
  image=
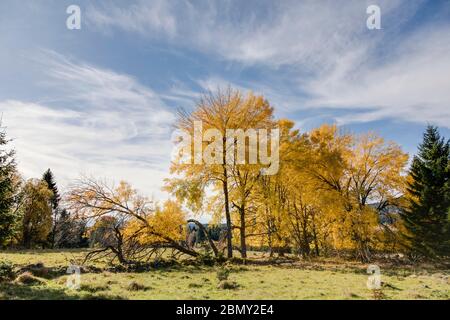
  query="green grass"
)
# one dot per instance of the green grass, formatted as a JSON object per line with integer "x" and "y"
{"x": 51, "y": 258}
{"x": 325, "y": 279}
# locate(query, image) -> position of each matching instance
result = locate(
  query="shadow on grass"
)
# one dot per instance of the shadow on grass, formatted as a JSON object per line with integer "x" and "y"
{"x": 14, "y": 291}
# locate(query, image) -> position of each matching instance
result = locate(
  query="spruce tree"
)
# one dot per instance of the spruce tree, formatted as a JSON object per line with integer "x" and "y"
{"x": 50, "y": 180}
{"x": 8, "y": 218}
{"x": 427, "y": 215}
{"x": 51, "y": 184}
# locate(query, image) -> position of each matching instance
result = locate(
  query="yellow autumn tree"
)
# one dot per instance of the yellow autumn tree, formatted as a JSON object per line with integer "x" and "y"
{"x": 139, "y": 227}
{"x": 37, "y": 213}
{"x": 329, "y": 192}
{"x": 365, "y": 173}
{"x": 217, "y": 113}
{"x": 291, "y": 214}
{"x": 166, "y": 222}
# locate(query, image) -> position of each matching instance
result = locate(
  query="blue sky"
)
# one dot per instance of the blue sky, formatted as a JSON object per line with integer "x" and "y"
{"x": 101, "y": 100}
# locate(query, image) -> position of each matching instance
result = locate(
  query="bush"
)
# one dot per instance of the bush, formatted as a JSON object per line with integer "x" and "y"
{"x": 94, "y": 288}
{"x": 28, "y": 279}
{"x": 223, "y": 274}
{"x": 228, "y": 285}
{"x": 237, "y": 260}
{"x": 6, "y": 271}
{"x": 37, "y": 269}
{"x": 378, "y": 294}
{"x": 207, "y": 259}
{"x": 134, "y": 286}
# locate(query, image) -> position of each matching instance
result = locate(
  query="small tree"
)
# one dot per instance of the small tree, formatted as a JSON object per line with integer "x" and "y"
{"x": 102, "y": 232}
{"x": 427, "y": 214}
{"x": 37, "y": 213}
{"x": 139, "y": 229}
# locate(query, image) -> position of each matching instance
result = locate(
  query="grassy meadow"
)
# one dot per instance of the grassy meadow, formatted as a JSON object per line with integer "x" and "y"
{"x": 282, "y": 279}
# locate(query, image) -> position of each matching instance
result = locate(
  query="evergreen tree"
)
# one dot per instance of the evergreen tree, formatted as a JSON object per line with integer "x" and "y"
{"x": 65, "y": 230}
{"x": 8, "y": 218}
{"x": 71, "y": 231}
{"x": 427, "y": 215}
{"x": 49, "y": 178}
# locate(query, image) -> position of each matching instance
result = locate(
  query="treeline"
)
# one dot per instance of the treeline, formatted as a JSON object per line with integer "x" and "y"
{"x": 30, "y": 211}
{"x": 334, "y": 192}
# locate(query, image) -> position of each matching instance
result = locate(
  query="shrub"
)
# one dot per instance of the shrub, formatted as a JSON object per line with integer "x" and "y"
{"x": 6, "y": 271}
{"x": 237, "y": 260}
{"x": 207, "y": 259}
{"x": 93, "y": 288}
{"x": 28, "y": 279}
{"x": 228, "y": 285}
{"x": 378, "y": 294}
{"x": 223, "y": 274}
{"x": 37, "y": 269}
{"x": 134, "y": 286}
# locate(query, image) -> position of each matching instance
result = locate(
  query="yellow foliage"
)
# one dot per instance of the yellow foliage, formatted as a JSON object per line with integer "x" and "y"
{"x": 37, "y": 212}
{"x": 169, "y": 222}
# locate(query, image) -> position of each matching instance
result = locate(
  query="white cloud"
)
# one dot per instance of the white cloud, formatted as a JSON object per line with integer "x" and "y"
{"x": 309, "y": 55}
{"x": 98, "y": 122}
{"x": 311, "y": 33}
{"x": 137, "y": 17}
{"x": 323, "y": 47}
{"x": 413, "y": 86}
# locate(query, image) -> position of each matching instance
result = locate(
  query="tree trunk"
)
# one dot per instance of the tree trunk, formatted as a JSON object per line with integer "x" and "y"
{"x": 227, "y": 214}
{"x": 211, "y": 243}
{"x": 269, "y": 234}
{"x": 243, "y": 244}
{"x": 316, "y": 244}
{"x": 54, "y": 228}
{"x": 314, "y": 231}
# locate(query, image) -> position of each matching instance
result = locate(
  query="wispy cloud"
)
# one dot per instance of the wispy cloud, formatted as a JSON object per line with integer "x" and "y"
{"x": 412, "y": 86}
{"x": 137, "y": 17}
{"x": 328, "y": 56}
{"x": 98, "y": 121}
{"x": 307, "y": 33}
{"x": 314, "y": 60}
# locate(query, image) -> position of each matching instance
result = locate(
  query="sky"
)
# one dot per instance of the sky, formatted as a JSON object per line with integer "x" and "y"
{"x": 102, "y": 100}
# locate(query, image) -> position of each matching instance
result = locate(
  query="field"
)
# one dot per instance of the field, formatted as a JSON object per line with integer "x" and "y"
{"x": 324, "y": 279}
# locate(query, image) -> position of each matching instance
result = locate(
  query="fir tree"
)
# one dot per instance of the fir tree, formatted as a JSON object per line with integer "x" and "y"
{"x": 55, "y": 198}
{"x": 50, "y": 180}
{"x": 8, "y": 218}
{"x": 427, "y": 215}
